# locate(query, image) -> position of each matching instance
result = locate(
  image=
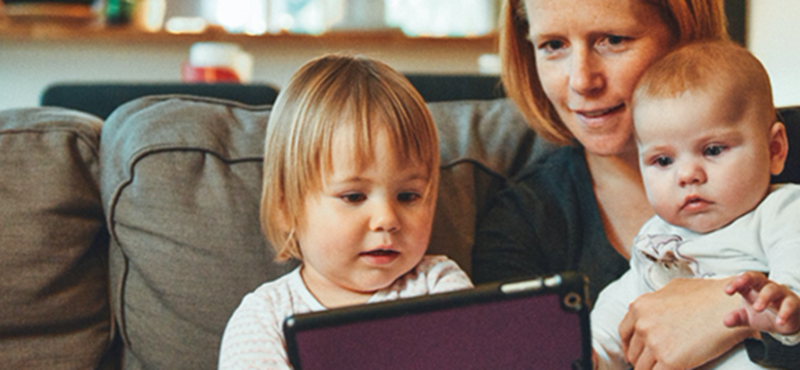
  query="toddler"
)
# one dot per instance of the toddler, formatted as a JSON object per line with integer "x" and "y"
{"x": 708, "y": 142}
{"x": 351, "y": 169}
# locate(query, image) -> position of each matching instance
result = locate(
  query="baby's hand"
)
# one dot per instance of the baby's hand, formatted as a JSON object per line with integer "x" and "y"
{"x": 768, "y": 306}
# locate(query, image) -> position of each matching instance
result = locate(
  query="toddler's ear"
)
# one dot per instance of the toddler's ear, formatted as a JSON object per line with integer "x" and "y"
{"x": 778, "y": 148}
{"x": 282, "y": 218}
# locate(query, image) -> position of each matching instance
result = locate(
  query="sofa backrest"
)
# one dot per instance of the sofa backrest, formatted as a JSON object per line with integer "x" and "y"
{"x": 100, "y": 99}
{"x": 181, "y": 186}
{"x": 54, "y": 309}
{"x": 175, "y": 181}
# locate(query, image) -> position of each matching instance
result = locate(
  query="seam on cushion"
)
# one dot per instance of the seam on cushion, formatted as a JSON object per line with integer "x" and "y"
{"x": 146, "y": 151}
{"x": 86, "y": 139}
{"x": 135, "y": 158}
{"x": 123, "y": 331}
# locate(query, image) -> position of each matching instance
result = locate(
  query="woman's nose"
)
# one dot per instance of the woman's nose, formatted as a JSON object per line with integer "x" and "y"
{"x": 691, "y": 173}
{"x": 585, "y": 77}
{"x": 384, "y": 218}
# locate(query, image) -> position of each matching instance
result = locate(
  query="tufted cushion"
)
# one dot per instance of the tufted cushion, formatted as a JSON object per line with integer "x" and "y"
{"x": 181, "y": 187}
{"x": 481, "y": 144}
{"x": 181, "y": 184}
{"x": 54, "y": 310}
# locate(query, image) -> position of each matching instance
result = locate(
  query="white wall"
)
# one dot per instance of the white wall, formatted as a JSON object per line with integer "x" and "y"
{"x": 774, "y": 37}
{"x": 26, "y": 67}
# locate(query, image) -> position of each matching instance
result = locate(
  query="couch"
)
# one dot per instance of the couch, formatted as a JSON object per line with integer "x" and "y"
{"x": 128, "y": 242}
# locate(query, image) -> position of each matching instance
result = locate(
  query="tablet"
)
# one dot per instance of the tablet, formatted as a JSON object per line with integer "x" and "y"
{"x": 538, "y": 323}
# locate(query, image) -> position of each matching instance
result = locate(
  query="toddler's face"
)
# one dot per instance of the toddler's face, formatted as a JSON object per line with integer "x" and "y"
{"x": 366, "y": 226}
{"x": 704, "y": 161}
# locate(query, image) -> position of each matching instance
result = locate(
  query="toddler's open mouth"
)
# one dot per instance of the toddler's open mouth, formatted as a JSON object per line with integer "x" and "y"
{"x": 379, "y": 252}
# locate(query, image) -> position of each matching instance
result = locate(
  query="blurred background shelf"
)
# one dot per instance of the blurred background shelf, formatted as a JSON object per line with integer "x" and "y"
{"x": 81, "y": 30}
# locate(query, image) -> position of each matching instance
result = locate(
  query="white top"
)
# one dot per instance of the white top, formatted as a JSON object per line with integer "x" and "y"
{"x": 253, "y": 338}
{"x": 766, "y": 239}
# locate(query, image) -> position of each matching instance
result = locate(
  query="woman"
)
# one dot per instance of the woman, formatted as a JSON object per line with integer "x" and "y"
{"x": 571, "y": 66}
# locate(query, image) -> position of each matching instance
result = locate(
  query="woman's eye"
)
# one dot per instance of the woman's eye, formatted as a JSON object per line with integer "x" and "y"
{"x": 407, "y": 197}
{"x": 551, "y": 45}
{"x": 713, "y": 150}
{"x": 353, "y": 197}
{"x": 613, "y": 40}
{"x": 662, "y": 161}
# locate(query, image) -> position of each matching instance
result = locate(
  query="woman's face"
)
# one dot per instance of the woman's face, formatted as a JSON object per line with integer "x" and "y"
{"x": 589, "y": 55}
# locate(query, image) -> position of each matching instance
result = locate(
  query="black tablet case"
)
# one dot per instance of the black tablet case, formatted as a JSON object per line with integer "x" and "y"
{"x": 540, "y": 323}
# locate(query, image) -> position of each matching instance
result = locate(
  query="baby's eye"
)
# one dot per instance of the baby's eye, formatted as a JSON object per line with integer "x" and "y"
{"x": 713, "y": 150}
{"x": 407, "y": 197}
{"x": 353, "y": 197}
{"x": 662, "y": 161}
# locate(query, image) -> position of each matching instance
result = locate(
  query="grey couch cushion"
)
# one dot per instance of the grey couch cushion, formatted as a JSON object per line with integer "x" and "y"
{"x": 181, "y": 187}
{"x": 481, "y": 143}
{"x": 181, "y": 183}
{"x": 54, "y": 309}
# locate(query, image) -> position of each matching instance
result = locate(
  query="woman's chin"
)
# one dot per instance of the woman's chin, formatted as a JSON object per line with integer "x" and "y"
{"x": 609, "y": 146}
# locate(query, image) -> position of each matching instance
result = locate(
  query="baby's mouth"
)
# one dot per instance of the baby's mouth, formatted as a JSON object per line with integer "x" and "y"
{"x": 692, "y": 201}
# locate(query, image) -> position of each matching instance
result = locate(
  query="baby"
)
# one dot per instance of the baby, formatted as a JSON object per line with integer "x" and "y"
{"x": 708, "y": 142}
{"x": 351, "y": 168}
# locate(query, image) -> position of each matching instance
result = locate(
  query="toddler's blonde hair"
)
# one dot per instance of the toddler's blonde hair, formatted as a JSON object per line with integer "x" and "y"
{"x": 327, "y": 94}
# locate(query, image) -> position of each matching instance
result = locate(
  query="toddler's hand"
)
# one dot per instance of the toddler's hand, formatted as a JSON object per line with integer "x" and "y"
{"x": 767, "y": 306}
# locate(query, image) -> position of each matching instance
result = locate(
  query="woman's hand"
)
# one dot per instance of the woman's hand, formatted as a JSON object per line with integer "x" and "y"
{"x": 680, "y": 326}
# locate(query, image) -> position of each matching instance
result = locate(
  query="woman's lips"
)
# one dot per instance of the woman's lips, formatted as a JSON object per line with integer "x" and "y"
{"x": 598, "y": 113}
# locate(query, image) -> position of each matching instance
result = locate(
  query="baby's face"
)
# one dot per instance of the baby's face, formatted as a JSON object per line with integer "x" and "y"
{"x": 704, "y": 161}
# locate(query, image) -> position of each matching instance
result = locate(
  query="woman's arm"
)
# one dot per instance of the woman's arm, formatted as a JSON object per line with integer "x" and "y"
{"x": 680, "y": 326}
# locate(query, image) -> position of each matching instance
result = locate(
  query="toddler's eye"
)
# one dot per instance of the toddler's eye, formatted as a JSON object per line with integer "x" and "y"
{"x": 713, "y": 150}
{"x": 353, "y": 197}
{"x": 407, "y": 197}
{"x": 663, "y": 161}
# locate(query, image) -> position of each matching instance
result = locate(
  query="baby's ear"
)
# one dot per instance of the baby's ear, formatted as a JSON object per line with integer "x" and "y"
{"x": 778, "y": 148}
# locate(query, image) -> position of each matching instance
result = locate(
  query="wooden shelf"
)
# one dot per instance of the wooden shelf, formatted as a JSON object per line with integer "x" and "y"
{"x": 81, "y": 30}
